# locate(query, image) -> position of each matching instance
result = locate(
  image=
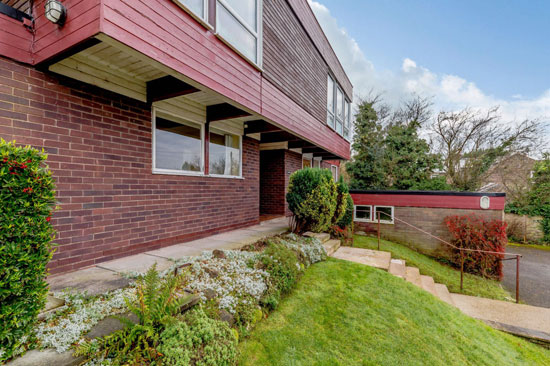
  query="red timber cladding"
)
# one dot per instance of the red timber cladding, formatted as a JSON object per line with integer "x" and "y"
{"x": 163, "y": 31}
{"x": 83, "y": 22}
{"x": 300, "y": 71}
{"x": 309, "y": 21}
{"x": 423, "y": 200}
{"x": 15, "y": 40}
{"x": 99, "y": 149}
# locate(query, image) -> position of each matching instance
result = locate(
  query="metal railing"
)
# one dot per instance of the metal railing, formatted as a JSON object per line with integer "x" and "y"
{"x": 462, "y": 251}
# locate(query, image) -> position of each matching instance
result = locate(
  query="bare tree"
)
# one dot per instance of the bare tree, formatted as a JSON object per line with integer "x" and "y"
{"x": 470, "y": 141}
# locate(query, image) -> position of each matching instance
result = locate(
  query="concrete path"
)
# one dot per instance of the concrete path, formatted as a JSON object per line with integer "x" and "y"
{"x": 534, "y": 275}
{"x": 106, "y": 276}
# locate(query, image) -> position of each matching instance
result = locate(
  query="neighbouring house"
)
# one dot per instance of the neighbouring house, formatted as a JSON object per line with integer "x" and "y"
{"x": 415, "y": 218}
{"x": 510, "y": 174}
{"x": 166, "y": 121}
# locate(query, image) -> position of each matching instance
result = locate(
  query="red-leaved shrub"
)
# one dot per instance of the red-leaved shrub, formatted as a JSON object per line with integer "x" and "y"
{"x": 473, "y": 232}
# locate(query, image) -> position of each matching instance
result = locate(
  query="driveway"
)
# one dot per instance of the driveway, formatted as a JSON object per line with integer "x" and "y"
{"x": 534, "y": 271}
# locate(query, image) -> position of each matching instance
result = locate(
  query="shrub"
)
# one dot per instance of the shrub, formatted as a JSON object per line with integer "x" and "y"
{"x": 312, "y": 198}
{"x": 195, "y": 339}
{"x": 341, "y": 201}
{"x": 283, "y": 267}
{"x": 347, "y": 218}
{"x": 472, "y": 232}
{"x": 28, "y": 196}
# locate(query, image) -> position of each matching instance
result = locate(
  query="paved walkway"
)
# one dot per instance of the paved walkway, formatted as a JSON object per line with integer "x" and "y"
{"x": 106, "y": 276}
{"x": 534, "y": 275}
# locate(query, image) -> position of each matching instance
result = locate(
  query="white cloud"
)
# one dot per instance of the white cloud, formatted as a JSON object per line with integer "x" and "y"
{"x": 447, "y": 90}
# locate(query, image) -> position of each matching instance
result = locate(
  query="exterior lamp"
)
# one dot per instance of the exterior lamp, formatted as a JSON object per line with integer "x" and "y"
{"x": 55, "y": 12}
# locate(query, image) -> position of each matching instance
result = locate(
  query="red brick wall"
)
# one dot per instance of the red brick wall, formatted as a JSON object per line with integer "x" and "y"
{"x": 276, "y": 166}
{"x": 427, "y": 219}
{"x": 99, "y": 147}
{"x": 272, "y": 182}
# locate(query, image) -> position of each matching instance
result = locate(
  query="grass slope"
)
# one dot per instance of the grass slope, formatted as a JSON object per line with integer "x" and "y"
{"x": 473, "y": 285}
{"x": 343, "y": 313}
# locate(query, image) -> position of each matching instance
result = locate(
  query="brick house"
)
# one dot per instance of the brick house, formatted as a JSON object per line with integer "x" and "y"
{"x": 168, "y": 120}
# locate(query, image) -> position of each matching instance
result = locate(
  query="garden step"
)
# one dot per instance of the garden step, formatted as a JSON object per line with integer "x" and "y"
{"x": 52, "y": 303}
{"x": 332, "y": 246}
{"x": 428, "y": 284}
{"x": 373, "y": 258}
{"x": 398, "y": 268}
{"x": 323, "y": 237}
{"x": 412, "y": 274}
{"x": 443, "y": 293}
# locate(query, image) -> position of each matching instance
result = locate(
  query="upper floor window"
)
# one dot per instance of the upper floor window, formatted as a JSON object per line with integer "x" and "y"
{"x": 238, "y": 22}
{"x": 338, "y": 109}
{"x": 330, "y": 102}
{"x": 197, "y": 7}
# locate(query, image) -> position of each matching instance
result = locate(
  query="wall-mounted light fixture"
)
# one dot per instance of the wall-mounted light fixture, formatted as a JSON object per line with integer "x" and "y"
{"x": 55, "y": 12}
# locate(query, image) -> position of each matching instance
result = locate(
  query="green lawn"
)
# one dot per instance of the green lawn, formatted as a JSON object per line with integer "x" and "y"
{"x": 535, "y": 246}
{"x": 473, "y": 285}
{"x": 343, "y": 313}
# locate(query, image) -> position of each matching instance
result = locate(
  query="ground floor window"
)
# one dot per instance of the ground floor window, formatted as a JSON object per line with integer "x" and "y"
{"x": 386, "y": 214}
{"x": 334, "y": 171}
{"x": 224, "y": 153}
{"x": 362, "y": 213}
{"x": 177, "y": 145}
{"x": 306, "y": 163}
{"x": 317, "y": 163}
{"x": 369, "y": 213}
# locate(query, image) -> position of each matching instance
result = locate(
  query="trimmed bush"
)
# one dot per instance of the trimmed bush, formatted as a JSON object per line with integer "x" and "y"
{"x": 28, "y": 197}
{"x": 347, "y": 218}
{"x": 473, "y": 232}
{"x": 341, "y": 201}
{"x": 312, "y": 197}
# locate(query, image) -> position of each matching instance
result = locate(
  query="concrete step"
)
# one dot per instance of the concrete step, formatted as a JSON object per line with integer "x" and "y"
{"x": 373, "y": 258}
{"x": 412, "y": 274}
{"x": 398, "y": 268}
{"x": 323, "y": 237}
{"x": 428, "y": 284}
{"x": 332, "y": 246}
{"x": 52, "y": 304}
{"x": 443, "y": 293}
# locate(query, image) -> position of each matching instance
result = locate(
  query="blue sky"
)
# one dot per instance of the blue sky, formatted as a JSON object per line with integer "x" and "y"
{"x": 462, "y": 53}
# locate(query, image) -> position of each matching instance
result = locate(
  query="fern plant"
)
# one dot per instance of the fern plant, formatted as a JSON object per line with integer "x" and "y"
{"x": 158, "y": 301}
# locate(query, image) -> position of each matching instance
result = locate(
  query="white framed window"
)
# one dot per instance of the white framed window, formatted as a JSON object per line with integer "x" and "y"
{"x": 239, "y": 23}
{"x": 347, "y": 121}
{"x": 317, "y": 163}
{"x": 386, "y": 214}
{"x": 197, "y": 8}
{"x": 362, "y": 213}
{"x": 334, "y": 171}
{"x": 178, "y": 145}
{"x": 224, "y": 154}
{"x": 330, "y": 102}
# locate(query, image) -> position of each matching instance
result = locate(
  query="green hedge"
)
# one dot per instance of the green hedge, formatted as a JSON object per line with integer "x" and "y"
{"x": 313, "y": 199}
{"x": 27, "y": 195}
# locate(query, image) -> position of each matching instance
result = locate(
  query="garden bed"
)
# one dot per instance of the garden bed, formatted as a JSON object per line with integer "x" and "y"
{"x": 234, "y": 290}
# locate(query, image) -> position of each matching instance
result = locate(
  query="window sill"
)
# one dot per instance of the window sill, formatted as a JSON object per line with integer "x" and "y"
{"x": 375, "y": 222}
{"x": 193, "y": 174}
{"x": 255, "y": 65}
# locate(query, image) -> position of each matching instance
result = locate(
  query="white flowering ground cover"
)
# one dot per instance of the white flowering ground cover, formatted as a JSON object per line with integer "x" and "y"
{"x": 231, "y": 279}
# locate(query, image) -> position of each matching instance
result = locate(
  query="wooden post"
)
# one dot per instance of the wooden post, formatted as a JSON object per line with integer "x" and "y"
{"x": 378, "y": 230}
{"x": 517, "y": 278}
{"x": 461, "y": 269}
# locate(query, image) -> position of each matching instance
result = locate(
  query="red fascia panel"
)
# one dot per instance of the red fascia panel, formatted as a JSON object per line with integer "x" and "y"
{"x": 51, "y": 40}
{"x": 430, "y": 201}
{"x": 15, "y": 40}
